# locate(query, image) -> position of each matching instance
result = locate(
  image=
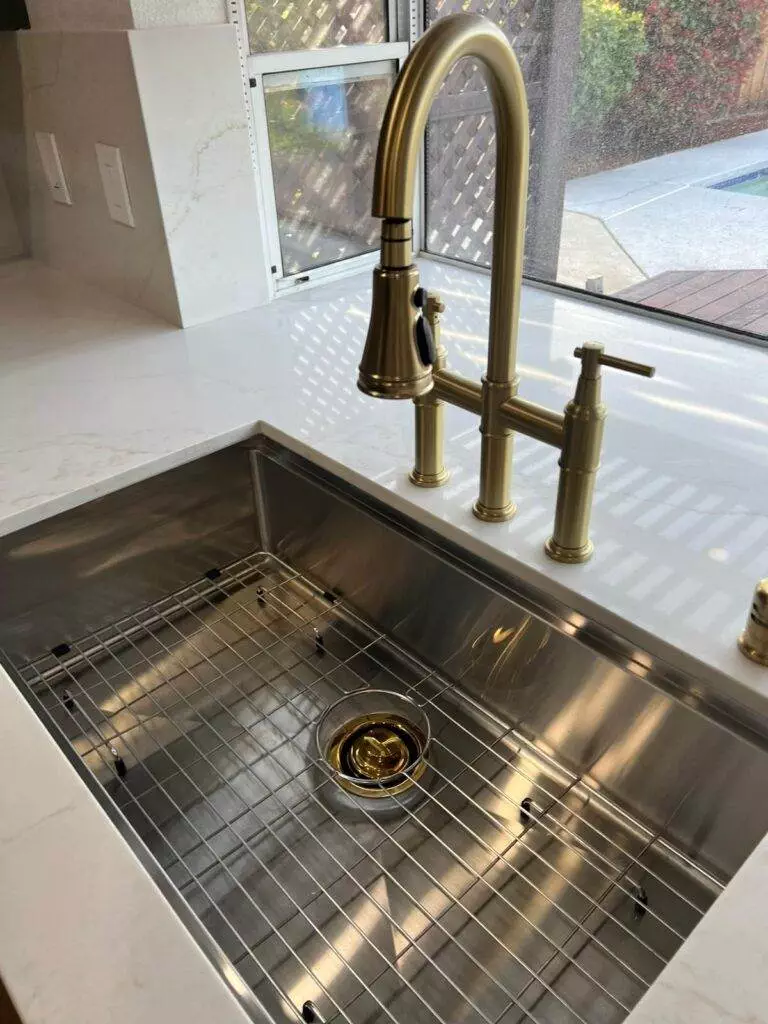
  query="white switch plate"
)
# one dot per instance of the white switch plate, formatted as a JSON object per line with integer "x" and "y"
{"x": 54, "y": 175}
{"x": 115, "y": 186}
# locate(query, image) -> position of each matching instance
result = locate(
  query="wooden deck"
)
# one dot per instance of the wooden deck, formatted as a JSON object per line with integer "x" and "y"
{"x": 733, "y": 298}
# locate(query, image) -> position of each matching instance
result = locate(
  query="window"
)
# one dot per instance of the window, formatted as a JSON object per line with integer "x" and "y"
{"x": 323, "y": 126}
{"x": 321, "y": 72}
{"x": 649, "y": 152}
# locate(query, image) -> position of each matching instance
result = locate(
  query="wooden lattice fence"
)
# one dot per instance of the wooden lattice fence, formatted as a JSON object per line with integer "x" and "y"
{"x": 461, "y": 134}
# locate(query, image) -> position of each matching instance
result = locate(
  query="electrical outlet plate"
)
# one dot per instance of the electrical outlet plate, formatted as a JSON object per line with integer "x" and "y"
{"x": 115, "y": 186}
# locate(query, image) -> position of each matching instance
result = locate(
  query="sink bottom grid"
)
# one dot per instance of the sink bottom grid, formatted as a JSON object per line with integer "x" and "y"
{"x": 510, "y": 891}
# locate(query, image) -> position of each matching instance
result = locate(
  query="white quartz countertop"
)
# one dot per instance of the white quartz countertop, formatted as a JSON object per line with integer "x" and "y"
{"x": 95, "y": 394}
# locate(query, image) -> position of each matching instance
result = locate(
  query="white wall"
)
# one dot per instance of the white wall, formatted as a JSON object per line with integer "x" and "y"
{"x": 14, "y": 186}
{"x": 81, "y": 87}
{"x": 11, "y": 243}
{"x": 76, "y": 15}
{"x": 156, "y": 13}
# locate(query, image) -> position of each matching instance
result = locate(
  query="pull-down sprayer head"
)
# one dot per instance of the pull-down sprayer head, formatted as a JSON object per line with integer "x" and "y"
{"x": 393, "y": 365}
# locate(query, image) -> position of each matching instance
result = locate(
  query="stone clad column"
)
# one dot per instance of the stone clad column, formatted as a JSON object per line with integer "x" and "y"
{"x": 161, "y": 81}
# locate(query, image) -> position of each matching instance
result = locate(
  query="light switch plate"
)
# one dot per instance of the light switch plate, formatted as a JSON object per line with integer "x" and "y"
{"x": 54, "y": 175}
{"x": 115, "y": 186}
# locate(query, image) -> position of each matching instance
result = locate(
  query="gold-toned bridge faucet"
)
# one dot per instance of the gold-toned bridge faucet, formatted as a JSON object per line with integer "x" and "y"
{"x": 403, "y": 357}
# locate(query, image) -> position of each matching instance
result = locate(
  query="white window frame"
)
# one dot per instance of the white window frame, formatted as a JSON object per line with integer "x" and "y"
{"x": 261, "y": 64}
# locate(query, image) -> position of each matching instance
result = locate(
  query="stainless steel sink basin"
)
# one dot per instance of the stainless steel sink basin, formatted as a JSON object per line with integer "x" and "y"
{"x": 581, "y": 811}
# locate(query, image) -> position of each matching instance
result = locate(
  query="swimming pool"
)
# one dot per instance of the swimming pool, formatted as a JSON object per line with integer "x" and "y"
{"x": 753, "y": 184}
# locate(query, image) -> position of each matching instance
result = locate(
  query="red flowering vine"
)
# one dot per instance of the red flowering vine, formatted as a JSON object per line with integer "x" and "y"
{"x": 697, "y": 56}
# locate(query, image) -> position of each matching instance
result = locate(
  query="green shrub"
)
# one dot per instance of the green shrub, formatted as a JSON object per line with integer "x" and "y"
{"x": 612, "y": 40}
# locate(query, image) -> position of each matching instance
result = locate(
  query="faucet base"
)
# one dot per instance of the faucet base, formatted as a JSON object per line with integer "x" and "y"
{"x": 570, "y": 556}
{"x": 753, "y": 642}
{"x": 494, "y": 515}
{"x": 429, "y": 479}
{"x": 752, "y": 652}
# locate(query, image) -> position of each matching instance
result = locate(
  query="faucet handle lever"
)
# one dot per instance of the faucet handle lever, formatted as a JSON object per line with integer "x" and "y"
{"x": 427, "y": 324}
{"x": 425, "y": 341}
{"x": 591, "y": 351}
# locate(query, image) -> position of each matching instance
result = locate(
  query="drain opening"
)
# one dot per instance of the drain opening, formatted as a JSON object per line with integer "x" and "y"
{"x": 373, "y": 748}
{"x": 375, "y": 743}
{"x": 378, "y": 754}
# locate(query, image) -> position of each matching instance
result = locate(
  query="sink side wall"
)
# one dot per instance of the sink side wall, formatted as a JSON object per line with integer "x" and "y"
{"x": 81, "y": 570}
{"x": 685, "y": 775}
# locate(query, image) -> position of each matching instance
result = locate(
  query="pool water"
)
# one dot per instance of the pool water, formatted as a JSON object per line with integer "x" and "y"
{"x": 753, "y": 184}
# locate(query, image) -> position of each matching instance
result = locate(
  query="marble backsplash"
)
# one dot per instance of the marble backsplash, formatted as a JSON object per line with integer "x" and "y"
{"x": 81, "y": 87}
{"x": 191, "y": 94}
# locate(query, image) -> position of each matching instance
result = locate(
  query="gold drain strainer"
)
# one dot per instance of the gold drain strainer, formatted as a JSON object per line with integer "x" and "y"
{"x": 378, "y": 754}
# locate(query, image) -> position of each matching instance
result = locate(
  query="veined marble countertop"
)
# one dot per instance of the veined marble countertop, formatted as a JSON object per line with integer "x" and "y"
{"x": 95, "y": 394}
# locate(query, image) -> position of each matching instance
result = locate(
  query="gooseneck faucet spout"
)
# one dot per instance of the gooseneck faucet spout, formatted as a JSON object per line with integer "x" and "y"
{"x": 401, "y": 359}
{"x": 393, "y": 366}
{"x": 454, "y": 37}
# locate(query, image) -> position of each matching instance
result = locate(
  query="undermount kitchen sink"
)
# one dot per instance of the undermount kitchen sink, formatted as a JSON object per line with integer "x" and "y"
{"x": 582, "y": 805}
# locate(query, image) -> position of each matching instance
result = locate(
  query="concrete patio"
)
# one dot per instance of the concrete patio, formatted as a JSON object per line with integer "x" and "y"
{"x": 662, "y": 215}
